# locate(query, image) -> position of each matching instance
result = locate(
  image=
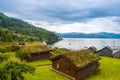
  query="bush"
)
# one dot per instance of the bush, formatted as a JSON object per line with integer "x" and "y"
{"x": 15, "y": 48}
{"x": 9, "y": 48}
{"x": 3, "y": 49}
{"x": 14, "y": 70}
{"x": 3, "y": 73}
{"x": 22, "y": 54}
{"x": 3, "y": 57}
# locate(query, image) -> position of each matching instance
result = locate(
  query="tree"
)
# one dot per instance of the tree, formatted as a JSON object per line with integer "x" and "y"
{"x": 22, "y": 54}
{"x": 11, "y": 28}
{"x": 14, "y": 70}
{"x": 6, "y": 35}
{"x": 3, "y": 74}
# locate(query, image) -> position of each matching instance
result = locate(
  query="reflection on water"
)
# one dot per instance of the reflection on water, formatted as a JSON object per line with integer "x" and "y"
{"x": 80, "y": 43}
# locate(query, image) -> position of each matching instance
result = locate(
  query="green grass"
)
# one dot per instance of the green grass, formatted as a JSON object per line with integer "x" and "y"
{"x": 44, "y": 72}
{"x": 10, "y": 54}
{"x": 40, "y": 62}
{"x": 109, "y": 70}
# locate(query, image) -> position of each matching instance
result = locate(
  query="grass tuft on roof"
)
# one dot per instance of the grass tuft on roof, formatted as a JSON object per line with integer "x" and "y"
{"x": 33, "y": 48}
{"x": 8, "y": 44}
{"x": 81, "y": 57}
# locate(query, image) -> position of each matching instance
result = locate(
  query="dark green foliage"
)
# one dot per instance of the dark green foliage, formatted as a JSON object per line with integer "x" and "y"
{"x": 57, "y": 51}
{"x": 19, "y": 30}
{"x": 3, "y": 49}
{"x": 3, "y": 71}
{"x": 3, "y": 57}
{"x": 6, "y": 35}
{"x": 14, "y": 71}
{"x": 3, "y": 74}
{"x": 15, "y": 48}
{"x": 22, "y": 54}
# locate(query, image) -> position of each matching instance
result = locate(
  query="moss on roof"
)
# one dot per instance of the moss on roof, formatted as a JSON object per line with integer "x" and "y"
{"x": 32, "y": 43}
{"x": 8, "y": 44}
{"x": 81, "y": 58}
{"x": 33, "y": 48}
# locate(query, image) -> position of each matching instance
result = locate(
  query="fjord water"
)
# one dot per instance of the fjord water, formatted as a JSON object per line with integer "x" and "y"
{"x": 81, "y": 43}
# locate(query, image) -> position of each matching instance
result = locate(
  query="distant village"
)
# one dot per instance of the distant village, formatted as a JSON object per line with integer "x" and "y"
{"x": 106, "y": 51}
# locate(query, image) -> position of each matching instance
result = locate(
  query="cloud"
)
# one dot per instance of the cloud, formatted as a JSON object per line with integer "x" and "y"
{"x": 11, "y": 14}
{"x": 95, "y": 25}
{"x": 67, "y": 10}
{"x": 67, "y": 15}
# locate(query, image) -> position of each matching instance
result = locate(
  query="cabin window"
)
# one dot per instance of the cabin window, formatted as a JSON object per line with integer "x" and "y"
{"x": 58, "y": 65}
{"x": 67, "y": 69}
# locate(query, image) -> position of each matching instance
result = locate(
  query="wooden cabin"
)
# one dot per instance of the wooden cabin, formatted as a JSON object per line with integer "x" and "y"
{"x": 106, "y": 51}
{"x": 92, "y": 48}
{"x": 116, "y": 54}
{"x": 76, "y": 65}
{"x": 38, "y": 56}
{"x": 34, "y": 51}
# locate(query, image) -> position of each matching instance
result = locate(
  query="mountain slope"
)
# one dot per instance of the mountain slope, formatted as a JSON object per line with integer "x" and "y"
{"x": 28, "y": 32}
{"x": 92, "y": 35}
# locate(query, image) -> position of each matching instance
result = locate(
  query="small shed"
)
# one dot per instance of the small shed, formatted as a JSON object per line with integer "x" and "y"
{"x": 76, "y": 65}
{"x": 92, "y": 48}
{"x": 106, "y": 51}
{"x": 34, "y": 51}
{"x": 117, "y": 54}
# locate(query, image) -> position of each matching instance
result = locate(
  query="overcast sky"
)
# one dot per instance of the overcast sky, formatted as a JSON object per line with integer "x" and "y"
{"x": 87, "y": 16}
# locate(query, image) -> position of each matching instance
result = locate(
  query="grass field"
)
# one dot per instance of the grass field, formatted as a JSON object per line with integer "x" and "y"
{"x": 44, "y": 72}
{"x": 109, "y": 70}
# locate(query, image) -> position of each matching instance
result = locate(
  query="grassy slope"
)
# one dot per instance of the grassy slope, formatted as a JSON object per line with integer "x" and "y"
{"x": 109, "y": 70}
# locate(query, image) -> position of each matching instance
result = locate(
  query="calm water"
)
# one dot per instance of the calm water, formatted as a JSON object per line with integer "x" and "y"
{"x": 81, "y": 43}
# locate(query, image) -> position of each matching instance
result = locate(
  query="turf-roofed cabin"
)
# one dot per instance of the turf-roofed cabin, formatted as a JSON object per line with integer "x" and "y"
{"x": 33, "y": 52}
{"x": 106, "y": 51}
{"x": 76, "y": 65}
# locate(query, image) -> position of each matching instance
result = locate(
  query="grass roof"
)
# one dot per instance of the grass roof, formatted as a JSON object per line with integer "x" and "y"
{"x": 33, "y": 48}
{"x": 81, "y": 58}
{"x": 8, "y": 44}
{"x": 32, "y": 43}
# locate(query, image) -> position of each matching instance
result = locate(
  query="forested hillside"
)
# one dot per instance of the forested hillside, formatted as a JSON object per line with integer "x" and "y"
{"x": 12, "y": 29}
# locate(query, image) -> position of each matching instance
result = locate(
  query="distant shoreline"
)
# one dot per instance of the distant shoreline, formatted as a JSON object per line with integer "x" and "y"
{"x": 104, "y": 35}
{"x": 89, "y": 38}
